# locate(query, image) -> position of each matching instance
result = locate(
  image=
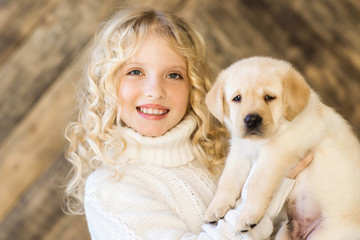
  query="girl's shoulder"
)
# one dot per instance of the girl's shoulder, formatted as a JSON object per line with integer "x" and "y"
{"x": 108, "y": 190}
{"x": 105, "y": 179}
{"x": 99, "y": 176}
{"x": 99, "y": 173}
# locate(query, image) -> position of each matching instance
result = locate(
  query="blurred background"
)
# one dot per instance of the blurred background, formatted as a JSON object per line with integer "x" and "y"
{"x": 43, "y": 44}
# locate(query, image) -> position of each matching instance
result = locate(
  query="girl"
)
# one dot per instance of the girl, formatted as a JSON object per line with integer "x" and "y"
{"x": 144, "y": 145}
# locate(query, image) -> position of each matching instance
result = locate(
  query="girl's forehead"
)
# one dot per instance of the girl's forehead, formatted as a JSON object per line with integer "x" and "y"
{"x": 158, "y": 49}
{"x": 168, "y": 41}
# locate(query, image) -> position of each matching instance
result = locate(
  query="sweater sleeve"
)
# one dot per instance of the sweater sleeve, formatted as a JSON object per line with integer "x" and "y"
{"x": 144, "y": 215}
{"x": 266, "y": 226}
{"x": 103, "y": 225}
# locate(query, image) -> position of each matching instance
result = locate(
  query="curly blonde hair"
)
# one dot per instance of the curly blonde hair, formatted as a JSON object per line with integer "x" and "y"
{"x": 95, "y": 132}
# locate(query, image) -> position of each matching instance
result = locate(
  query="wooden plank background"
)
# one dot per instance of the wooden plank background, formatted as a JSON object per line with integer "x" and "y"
{"x": 42, "y": 48}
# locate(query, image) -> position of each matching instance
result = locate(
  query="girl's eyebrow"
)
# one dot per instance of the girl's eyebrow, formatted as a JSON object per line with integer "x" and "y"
{"x": 130, "y": 63}
{"x": 177, "y": 66}
{"x": 139, "y": 64}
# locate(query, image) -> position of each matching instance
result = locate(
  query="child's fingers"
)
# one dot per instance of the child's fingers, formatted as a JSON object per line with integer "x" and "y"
{"x": 301, "y": 165}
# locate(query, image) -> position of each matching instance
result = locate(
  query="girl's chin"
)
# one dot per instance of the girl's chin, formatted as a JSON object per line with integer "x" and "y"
{"x": 147, "y": 128}
{"x": 152, "y": 133}
{"x": 150, "y": 127}
{"x": 154, "y": 129}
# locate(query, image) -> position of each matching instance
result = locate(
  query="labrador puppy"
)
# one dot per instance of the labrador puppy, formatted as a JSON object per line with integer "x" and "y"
{"x": 275, "y": 118}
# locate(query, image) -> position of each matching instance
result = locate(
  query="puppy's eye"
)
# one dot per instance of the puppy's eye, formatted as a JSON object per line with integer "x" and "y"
{"x": 237, "y": 98}
{"x": 269, "y": 98}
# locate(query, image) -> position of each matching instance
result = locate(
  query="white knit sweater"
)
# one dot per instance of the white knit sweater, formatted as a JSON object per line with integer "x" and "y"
{"x": 163, "y": 194}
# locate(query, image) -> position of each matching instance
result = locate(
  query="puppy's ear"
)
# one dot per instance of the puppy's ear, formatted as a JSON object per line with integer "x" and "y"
{"x": 215, "y": 99}
{"x": 296, "y": 94}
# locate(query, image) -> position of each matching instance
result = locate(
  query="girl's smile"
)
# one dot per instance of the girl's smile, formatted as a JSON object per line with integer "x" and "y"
{"x": 152, "y": 111}
{"x": 154, "y": 87}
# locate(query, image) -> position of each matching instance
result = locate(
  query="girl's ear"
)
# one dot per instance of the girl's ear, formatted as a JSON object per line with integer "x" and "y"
{"x": 215, "y": 99}
{"x": 296, "y": 93}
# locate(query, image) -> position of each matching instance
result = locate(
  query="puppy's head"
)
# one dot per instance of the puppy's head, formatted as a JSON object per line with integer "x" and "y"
{"x": 254, "y": 96}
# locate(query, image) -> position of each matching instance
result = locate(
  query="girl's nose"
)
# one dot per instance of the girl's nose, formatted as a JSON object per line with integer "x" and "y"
{"x": 154, "y": 87}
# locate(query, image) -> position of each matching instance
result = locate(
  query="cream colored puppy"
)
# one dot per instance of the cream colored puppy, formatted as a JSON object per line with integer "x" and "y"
{"x": 275, "y": 119}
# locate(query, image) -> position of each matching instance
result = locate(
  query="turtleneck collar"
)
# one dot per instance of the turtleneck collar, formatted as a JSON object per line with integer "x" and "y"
{"x": 173, "y": 149}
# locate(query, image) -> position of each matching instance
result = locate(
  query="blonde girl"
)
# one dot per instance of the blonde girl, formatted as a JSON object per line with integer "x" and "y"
{"x": 144, "y": 144}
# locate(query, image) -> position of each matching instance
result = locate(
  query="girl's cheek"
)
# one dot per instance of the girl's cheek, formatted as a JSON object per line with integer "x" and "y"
{"x": 126, "y": 90}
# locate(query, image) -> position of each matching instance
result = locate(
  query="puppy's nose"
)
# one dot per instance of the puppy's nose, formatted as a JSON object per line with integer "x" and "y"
{"x": 253, "y": 121}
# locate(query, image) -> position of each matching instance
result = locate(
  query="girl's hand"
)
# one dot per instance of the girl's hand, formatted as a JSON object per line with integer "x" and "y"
{"x": 294, "y": 171}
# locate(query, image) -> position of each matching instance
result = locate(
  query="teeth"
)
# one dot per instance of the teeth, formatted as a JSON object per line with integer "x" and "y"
{"x": 152, "y": 111}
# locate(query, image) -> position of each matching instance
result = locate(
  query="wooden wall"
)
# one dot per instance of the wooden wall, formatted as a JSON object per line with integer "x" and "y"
{"x": 42, "y": 48}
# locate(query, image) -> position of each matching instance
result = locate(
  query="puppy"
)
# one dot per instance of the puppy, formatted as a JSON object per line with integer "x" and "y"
{"x": 274, "y": 119}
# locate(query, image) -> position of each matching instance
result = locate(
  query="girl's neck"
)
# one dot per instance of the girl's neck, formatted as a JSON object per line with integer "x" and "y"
{"x": 173, "y": 149}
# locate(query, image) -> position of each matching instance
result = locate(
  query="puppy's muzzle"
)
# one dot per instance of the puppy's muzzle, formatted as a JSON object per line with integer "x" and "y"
{"x": 253, "y": 123}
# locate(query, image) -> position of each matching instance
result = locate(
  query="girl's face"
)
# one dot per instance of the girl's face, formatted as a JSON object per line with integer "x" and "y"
{"x": 154, "y": 88}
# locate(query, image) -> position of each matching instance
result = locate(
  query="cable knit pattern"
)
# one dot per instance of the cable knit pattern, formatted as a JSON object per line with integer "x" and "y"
{"x": 163, "y": 194}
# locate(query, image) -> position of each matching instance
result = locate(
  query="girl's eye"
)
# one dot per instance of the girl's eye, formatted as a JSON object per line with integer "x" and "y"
{"x": 175, "y": 76}
{"x": 135, "y": 72}
{"x": 269, "y": 98}
{"x": 237, "y": 98}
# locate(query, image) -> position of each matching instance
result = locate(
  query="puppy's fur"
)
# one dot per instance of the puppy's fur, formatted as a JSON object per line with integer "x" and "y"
{"x": 275, "y": 119}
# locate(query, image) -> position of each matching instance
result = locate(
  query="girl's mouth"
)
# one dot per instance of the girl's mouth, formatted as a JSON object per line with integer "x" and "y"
{"x": 152, "y": 111}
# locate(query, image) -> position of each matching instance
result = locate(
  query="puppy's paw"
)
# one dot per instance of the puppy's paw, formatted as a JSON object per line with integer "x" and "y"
{"x": 218, "y": 208}
{"x": 248, "y": 219}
